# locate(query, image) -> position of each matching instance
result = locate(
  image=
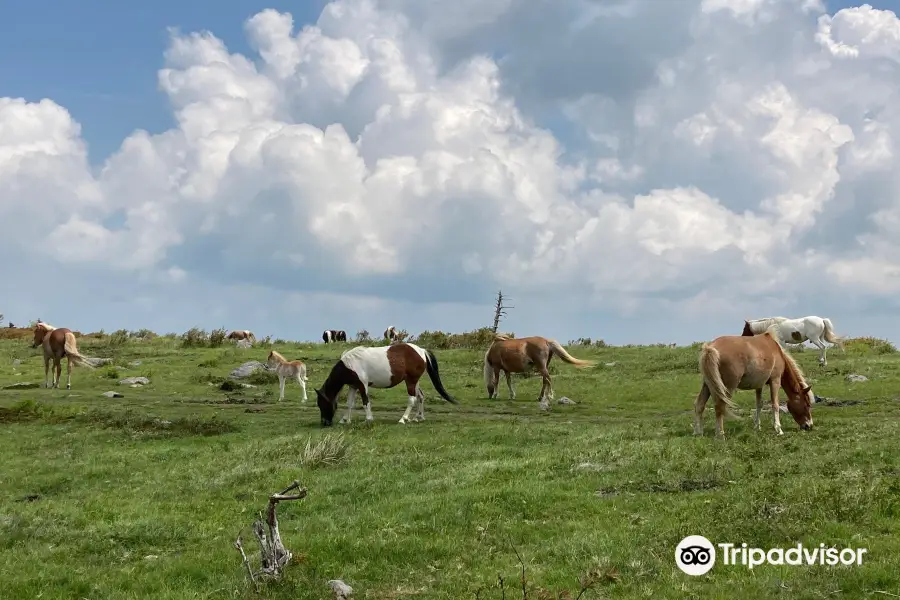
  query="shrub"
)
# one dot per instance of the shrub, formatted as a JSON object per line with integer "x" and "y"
{"x": 479, "y": 338}
{"x": 869, "y": 345}
{"x": 328, "y": 451}
{"x": 217, "y": 337}
{"x": 194, "y": 337}
{"x": 363, "y": 337}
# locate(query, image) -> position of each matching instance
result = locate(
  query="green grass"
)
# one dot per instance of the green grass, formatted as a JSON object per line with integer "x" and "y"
{"x": 143, "y": 496}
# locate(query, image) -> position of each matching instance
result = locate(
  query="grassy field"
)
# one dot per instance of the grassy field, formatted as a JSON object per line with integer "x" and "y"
{"x": 143, "y": 496}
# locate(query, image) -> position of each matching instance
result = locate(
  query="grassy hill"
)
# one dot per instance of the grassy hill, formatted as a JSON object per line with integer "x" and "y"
{"x": 143, "y": 496}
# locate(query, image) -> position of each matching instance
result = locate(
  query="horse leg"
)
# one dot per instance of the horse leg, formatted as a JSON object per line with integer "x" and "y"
{"x": 351, "y": 401}
{"x": 776, "y": 410}
{"x": 758, "y": 408}
{"x": 280, "y": 387}
{"x": 546, "y": 389}
{"x": 420, "y": 413}
{"x": 817, "y": 341}
{"x": 302, "y": 385}
{"x": 495, "y": 380}
{"x": 411, "y": 401}
{"x": 68, "y": 373}
{"x": 720, "y": 418}
{"x": 46, "y": 371}
{"x": 509, "y": 384}
{"x": 699, "y": 407}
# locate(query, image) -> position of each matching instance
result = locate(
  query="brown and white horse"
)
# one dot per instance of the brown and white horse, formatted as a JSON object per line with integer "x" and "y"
{"x": 58, "y": 343}
{"x": 334, "y": 335}
{"x": 380, "y": 367}
{"x": 733, "y": 362}
{"x": 817, "y": 330}
{"x": 520, "y": 355}
{"x": 391, "y": 334}
{"x": 242, "y": 334}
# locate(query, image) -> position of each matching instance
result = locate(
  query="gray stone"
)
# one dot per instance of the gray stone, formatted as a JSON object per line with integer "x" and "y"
{"x": 17, "y": 362}
{"x": 566, "y": 400}
{"x": 854, "y": 377}
{"x": 133, "y": 381}
{"x": 24, "y": 385}
{"x": 247, "y": 369}
{"x": 341, "y": 590}
{"x": 244, "y": 344}
{"x": 113, "y": 395}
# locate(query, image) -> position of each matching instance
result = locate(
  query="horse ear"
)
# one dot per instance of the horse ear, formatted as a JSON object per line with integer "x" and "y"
{"x": 807, "y": 389}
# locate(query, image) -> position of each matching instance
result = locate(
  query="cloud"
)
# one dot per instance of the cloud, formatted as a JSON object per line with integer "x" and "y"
{"x": 633, "y": 157}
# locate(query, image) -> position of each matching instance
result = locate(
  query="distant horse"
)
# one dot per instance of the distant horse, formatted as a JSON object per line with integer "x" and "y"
{"x": 391, "y": 334}
{"x": 242, "y": 334}
{"x": 295, "y": 369}
{"x": 733, "y": 362}
{"x": 380, "y": 367}
{"x": 58, "y": 343}
{"x": 334, "y": 335}
{"x": 519, "y": 355}
{"x": 796, "y": 331}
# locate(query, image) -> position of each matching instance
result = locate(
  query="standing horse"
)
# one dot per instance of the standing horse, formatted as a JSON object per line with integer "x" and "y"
{"x": 391, "y": 333}
{"x": 380, "y": 367}
{"x": 334, "y": 335}
{"x": 796, "y": 331}
{"x": 284, "y": 368}
{"x": 242, "y": 334}
{"x": 733, "y": 362}
{"x": 519, "y": 355}
{"x": 58, "y": 343}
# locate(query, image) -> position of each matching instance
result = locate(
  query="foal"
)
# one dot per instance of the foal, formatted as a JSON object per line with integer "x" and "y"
{"x": 380, "y": 367}
{"x": 58, "y": 343}
{"x": 295, "y": 369}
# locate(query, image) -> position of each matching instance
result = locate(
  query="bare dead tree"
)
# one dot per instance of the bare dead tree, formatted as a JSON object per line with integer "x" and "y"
{"x": 273, "y": 555}
{"x": 499, "y": 310}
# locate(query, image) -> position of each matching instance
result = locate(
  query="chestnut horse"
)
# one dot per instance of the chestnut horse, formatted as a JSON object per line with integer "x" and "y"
{"x": 58, "y": 343}
{"x": 733, "y": 362}
{"x": 519, "y": 355}
{"x": 242, "y": 334}
{"x": 284, "y": 368}
{"x": 380, "y": 367}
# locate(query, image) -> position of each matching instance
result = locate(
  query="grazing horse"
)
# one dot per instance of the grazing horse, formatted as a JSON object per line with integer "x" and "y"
{"x": 380, "y": 367}
{"x": 58, "y": 343}
{"x": 284, "y": 368}
{"x": 519, "y": 355}
{"x": 391, "y": 334}
{"x": 796, "y": 331}
{"x": 242, "y": 334}
{"x": 334, "y": 335}
{"x": 733, "y": 362}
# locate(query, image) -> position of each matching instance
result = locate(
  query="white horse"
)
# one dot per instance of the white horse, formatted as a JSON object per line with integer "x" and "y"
{"x": 796, "y": 331}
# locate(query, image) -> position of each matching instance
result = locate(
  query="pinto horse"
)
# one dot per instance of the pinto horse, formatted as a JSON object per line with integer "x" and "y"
{"x": 334, "y": 335}
{"x": 796, "y": 331}
{"x": 58, "y": 343}
{"x": 380, "y": 367}
{"x": 733, "y": 362}
{"x": 519, "y": 355}
{"x": 242, "y": 334}
{"x": 391, "y": 334}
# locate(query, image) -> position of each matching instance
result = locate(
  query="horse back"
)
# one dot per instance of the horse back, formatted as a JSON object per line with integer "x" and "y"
{"x": 55, "y": 341}
{"x": 743, "y": 358}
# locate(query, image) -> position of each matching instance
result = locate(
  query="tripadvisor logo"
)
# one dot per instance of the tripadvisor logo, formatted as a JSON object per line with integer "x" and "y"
{"x": 696, "y": 555}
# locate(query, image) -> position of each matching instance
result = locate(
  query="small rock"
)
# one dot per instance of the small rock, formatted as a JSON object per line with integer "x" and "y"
{"x": 113, "y": 395}
{"x": 132, "y": 381}
{"x": 248, "y": 385}
{"x": 566, "y": 400}
{"x": 17, "y": 362}
{"x": 853, "y": 377}
{"x": 246, "y": 369}
{"x": 24, "y": 385}
{"x": 612, "y": 364}
{"x": 136, "y": 363}
{"x": 151, "y": 557}
{"x": 99, "y": 361}
{"x": 244, "y": 344}
{"x": 341, "y": 590}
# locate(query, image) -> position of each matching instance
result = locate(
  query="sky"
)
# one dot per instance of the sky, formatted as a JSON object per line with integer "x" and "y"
{"x": 636, "y": 171}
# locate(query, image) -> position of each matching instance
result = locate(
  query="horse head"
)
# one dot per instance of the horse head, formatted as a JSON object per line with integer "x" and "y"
{"x": 799, "y": 404}
{"x": 327, "y": 407}
{"x": 747, "y": 331}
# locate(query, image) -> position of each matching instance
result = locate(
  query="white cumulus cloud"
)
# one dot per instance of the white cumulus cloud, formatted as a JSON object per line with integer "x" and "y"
{"x": 713, "y": 159}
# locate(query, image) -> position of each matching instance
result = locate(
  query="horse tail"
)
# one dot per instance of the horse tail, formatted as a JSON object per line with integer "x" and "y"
{"x": 831, "y": 336}
{"x": 709, "y": 368}
{"x": 431, "y": 365}
{"x": 71, "y": 349}
{"x": 557, "y": 349}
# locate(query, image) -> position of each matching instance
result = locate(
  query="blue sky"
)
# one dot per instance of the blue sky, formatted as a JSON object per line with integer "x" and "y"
{"x": 636, "y": 271}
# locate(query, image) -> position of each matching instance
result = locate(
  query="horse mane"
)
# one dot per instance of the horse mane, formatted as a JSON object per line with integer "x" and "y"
{"x": 499, "y": 337}
{"x": 764, "y": 324}
{"x": 277, "y": 355}
{"x": 791, "y": 366}
{"x": 45, "y": 326}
